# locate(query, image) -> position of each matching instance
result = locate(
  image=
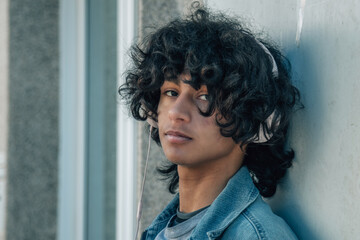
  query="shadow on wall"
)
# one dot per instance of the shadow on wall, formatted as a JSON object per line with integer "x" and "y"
{"x": 304, "y": 127}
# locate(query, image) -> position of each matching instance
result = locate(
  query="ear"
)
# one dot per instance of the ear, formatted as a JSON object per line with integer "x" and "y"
{"x": 152, "y": 122}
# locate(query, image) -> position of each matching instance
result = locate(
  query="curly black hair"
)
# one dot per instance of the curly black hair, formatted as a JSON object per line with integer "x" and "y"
{"x": 218, "y": 51}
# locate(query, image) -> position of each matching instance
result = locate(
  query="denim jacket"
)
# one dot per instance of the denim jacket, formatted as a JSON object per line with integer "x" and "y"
{"x": 237, "y": 213}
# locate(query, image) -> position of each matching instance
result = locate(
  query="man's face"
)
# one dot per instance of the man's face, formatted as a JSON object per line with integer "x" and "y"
{"x": 188, "y": 138}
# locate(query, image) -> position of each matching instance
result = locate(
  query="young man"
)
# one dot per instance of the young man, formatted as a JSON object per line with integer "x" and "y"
{"x": 219, "y": 100}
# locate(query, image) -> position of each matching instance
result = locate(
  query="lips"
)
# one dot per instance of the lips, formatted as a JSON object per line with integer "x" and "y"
{"x": 177, "y": 137}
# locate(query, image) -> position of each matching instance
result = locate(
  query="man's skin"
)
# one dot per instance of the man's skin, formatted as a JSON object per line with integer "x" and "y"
{"x": 206, "y": 160}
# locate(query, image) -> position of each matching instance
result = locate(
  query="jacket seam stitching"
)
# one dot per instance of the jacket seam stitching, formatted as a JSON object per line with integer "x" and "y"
{"x": 252, "y": 220}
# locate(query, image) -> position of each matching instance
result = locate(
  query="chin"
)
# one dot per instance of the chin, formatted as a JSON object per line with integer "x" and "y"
{"x": 175, "y": 155}
{"x": 186, "y": 162}
{"x": 175, "y": 160}
{"x": 178, "y": 160}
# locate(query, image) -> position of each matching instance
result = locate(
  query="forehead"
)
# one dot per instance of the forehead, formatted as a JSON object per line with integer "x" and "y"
{"x": 186, "y": 78}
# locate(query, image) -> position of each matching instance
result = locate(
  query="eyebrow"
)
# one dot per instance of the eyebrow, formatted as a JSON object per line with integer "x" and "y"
{"x": 173, "y": 80}
{"x": 176, "y": 80}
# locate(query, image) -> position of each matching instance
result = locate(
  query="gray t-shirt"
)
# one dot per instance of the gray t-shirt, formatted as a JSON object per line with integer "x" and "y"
{"x": 181, "y": 225}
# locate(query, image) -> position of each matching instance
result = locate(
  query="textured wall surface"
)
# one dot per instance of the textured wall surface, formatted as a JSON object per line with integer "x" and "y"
{"x": 110, "y": 122}
{"x": 319, "y": 197}
{"x": 33, "y": 120}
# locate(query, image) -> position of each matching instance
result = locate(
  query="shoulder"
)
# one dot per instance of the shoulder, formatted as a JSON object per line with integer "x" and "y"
{"x": 259, "y": 222}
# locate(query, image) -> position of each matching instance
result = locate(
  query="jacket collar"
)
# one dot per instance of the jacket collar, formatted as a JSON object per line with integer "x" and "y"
{"x": 162, "y": 219}
{"x": 238, "y": 194}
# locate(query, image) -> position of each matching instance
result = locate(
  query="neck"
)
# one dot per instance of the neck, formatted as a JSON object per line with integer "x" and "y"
{"x": 199, "y": 186}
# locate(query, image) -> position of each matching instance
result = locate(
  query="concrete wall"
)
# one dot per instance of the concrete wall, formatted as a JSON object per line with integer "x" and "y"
{"x": 319, "y": 197}
{"x": 33, "y": 119}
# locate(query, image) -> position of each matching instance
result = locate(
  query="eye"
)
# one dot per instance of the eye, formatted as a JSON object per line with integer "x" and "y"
{"x": 204, "y": 97}
{"x": 171, "y": 93}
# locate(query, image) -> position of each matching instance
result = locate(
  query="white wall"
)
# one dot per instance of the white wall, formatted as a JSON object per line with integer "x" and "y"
{"x": 319, "y": 197}
{"x": 4, "y": 32}
{"x": 71, "y": 193}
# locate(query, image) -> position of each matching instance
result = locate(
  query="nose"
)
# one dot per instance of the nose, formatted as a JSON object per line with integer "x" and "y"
{"x": 180, "y": 109}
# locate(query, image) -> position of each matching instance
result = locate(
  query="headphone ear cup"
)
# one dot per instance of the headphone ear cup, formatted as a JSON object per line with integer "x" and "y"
{"x": 149, "y": 120}
{"x": 152, "y": 122}
{"x": 263, "y": 136}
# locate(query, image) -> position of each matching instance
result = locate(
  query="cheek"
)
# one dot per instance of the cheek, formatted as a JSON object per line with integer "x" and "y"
{"x": 209, "y": 126}
{"x": 160, "y": 109}
{"x": 160, "y": 115}
{"x": 212, "y": 131}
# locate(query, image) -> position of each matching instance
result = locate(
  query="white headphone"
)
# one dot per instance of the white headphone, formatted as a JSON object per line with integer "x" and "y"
{"x": 152, "y": 122}
{"x": 263, "y": 136}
